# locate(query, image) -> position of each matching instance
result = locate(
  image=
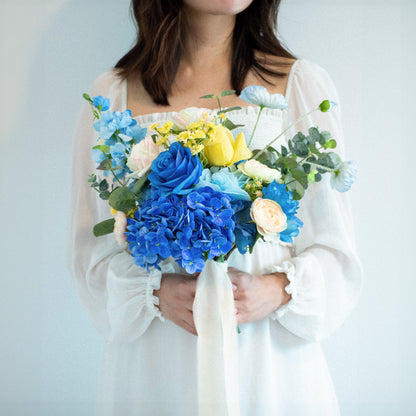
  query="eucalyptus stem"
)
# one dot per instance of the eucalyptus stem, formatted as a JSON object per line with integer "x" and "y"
{"x": 318, "y": 165}
{"x": 255, "y": 126}
{"x": 284, "y": 131}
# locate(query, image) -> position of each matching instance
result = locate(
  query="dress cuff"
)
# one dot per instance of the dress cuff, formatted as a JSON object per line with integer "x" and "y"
{"x": 288, "y": 268}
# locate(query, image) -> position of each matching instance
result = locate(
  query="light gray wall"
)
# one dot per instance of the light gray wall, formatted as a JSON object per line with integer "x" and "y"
{"x": 51, "y": 50}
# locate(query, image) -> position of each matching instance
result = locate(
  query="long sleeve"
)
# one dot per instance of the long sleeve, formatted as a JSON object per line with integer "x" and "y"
{"x": 117, "y": 294}
{"x": 325, "y": 273}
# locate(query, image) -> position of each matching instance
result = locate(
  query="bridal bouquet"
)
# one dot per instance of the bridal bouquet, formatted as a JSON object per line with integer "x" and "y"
{"x": 190, "y": 190}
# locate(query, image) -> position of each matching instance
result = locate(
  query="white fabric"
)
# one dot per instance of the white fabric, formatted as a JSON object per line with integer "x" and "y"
{"x": 149, "y": 365}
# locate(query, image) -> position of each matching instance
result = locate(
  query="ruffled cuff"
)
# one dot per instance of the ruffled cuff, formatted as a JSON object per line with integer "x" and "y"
{"x": 288, "y": 268}
{"x": 152, "y": 301}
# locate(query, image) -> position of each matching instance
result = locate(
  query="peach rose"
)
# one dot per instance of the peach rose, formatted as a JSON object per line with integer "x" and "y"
{"x": 141, "y": 157}
{"x": 269, "y": 217}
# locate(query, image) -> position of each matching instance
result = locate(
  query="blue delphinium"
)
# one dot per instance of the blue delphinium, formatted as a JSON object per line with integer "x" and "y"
{"x": 277, "y": 192}
{"x": 101, "y": 103}
{"x": 191, "y": 228}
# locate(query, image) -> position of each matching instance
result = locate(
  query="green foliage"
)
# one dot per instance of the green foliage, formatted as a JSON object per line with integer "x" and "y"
{"x": 103, "y": 147}
{"x": 104, "y": 227}
{"x": 208, "y": 96}
{"x": 106, "y": 164}
{"x": 87, "y": 97}
{"x": 138, "y": 185}
{"x": 230, "y": 125}
{"x": 268, "y": 157}
{"x": 122, "y": 199}
{"x": 227, "y": 92}
{"x": 325, "y": 106}
{"x": 101, "y": 186}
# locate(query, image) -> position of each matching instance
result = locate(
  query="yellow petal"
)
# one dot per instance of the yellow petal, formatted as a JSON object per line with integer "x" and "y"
{"x": 219, "y": 149}
{"x": 241, "y": 151}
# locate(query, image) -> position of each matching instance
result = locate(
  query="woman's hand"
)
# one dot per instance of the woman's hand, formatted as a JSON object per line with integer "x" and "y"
{"x": 257, "y": 296}
{"x": 176, "y": 298}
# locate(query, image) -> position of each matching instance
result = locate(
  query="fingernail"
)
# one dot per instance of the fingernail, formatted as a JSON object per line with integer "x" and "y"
{"x": 234, "y": 288}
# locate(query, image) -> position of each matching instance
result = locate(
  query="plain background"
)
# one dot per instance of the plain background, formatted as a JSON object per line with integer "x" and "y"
{"x": 51, "y": 51}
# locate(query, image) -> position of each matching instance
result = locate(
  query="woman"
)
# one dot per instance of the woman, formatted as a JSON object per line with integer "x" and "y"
{"x": 287, "y": 297}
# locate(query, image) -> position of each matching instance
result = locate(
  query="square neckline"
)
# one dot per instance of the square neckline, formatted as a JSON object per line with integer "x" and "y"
{"x": 152, "y": 117}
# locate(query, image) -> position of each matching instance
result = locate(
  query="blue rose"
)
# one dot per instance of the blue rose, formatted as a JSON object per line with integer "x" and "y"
{"x": 175, "y": 171}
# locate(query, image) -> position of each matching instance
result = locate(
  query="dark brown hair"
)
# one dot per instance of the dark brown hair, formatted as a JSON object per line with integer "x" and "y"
{"x": 155, "y": 56}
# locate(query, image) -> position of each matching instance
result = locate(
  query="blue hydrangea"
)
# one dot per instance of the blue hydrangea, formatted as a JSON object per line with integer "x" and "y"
{"x": 277, "y": 192}
{"x": 191, "y": 228}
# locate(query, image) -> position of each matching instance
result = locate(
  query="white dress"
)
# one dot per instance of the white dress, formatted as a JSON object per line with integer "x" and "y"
{"x": 149, "y": 365}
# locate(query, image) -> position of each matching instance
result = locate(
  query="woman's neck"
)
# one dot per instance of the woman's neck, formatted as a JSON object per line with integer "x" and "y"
{"x": 208, "y": 41}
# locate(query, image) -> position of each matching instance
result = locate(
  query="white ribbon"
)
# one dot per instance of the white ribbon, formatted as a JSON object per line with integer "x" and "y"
{"x": 215, "y": 322}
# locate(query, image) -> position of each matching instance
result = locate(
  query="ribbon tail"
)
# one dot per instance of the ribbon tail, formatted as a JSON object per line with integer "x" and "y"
{"x": 215, "y": 322}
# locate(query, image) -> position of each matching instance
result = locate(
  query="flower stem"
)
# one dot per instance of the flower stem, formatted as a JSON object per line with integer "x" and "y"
{"x": 219, "y": 104}
{"x": 255, "y": 126}
{"x": 284, "y": 131}
{"x": 118, "y": 180}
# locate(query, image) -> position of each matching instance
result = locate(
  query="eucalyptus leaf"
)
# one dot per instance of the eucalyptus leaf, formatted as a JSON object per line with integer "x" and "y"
{"x": 105, "y": 195}
{"x": 104, "y": 227}
{"x": 301, "y": 149}
{"x": 208, "y": 96}
{"x": 300, "y": 177}
{"x": 103, "y": 185}
{"x": 122, "y": 199}
{"x": 314, "y": 150}
{"x": 299, "y": 137}
{"x": 314, "y": 135}
{"x": 267, "y": 158}
{"x": 92, "y": 178}
{"x": 284, "y": 150}
{"x": 286, "y": 162}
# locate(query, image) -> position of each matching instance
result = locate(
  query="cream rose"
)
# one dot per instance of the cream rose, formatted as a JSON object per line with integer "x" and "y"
{"x": 269, "y": 217}
{"x": 120, "y": 224}
{"x": 254, "y": 169}
{"x": 141, "y": 157}
{"x": 183, "y": 118}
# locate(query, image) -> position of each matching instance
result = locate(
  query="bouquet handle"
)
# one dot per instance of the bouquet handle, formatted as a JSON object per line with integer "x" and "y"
{"x": 217, "y": 344}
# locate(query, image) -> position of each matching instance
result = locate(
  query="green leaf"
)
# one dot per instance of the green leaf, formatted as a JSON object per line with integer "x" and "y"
{"x": 267, "y": 158}
{"x": 330, "y": 144}
{"x": 106, "y": 164}
{"x": 208, "y": 96}
{"x": 104, "y": 227}
{"x": 311, "y": 176}
{"x": 318, "y": 177}
{"x": 226, "y": 110}
{"x": 103, "y": 147}
{"x": 301, "y": 149}
{"x": 284, "y": 150}
{"x": 299, "y": 137}
{"x": 138, "y": 185}
{"x": 326, "y": 135}
{"x": 118, "y": 167}
{"x": 103, "y": 185}
{"x": 314, "y": 150}
{"x": 300, "y": 176}
{"x": 92, "y": 178}
{"x": 286, "y": 162}
{"x": 87, "y": 97}
{"x": 314, "y": 135}
{"x": 96, "y": 115}
{"x": 227, "y": 92}
{"x": 230, "y": 125}
{"x": 122, "y": 199}
{"x": 105, "y": 195}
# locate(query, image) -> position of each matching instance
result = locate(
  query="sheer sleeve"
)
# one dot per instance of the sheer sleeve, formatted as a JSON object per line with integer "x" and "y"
{"x": 325, "y": 273}
{"x": 117, "y": 294}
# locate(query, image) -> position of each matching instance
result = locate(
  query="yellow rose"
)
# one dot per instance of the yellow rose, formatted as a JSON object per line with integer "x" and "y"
{"x": 269, "y": 217}
{"x": 222, "y": 150}
{"x": 254, "y": 169}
